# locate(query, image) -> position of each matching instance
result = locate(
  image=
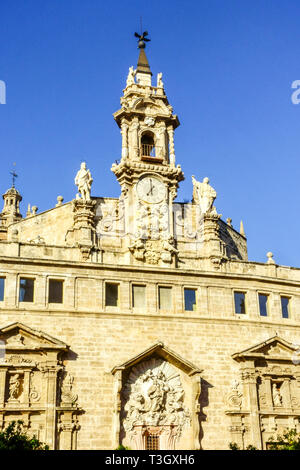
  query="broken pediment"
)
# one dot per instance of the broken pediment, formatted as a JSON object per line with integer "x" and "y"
{"x": 274, "y": 348}
{"x": 150, "y": 106}
{"x": 159, "y": 350}
{"x": 19, "y": 337}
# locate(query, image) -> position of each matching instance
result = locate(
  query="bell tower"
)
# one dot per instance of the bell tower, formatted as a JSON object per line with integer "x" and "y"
{"x": 147, "y": 171}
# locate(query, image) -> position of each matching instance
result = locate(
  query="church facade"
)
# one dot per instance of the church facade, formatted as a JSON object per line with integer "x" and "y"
{"x": 139, "y": 320}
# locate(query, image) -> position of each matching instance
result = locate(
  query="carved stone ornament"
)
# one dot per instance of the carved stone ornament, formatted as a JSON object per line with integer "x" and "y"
{"x": 14, "y": 387}
{"x": 149, "y": 121}
{"x": 68, "y": 398}
{"x": 234, "y": 397}
{"x": 154, "y": 396}
{"x": 17, "y": 360}
{"x": 168, "y": 249}
{"x": 34, "y": 395}
{"x": 152, "y": 251}
{"x": 137, "y": 248}
{"x": 111, "y": 218}
{"x": 152, "y": 255}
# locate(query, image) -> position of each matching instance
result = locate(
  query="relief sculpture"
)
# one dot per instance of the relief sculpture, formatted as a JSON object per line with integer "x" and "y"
{"x": 154, "y": 396}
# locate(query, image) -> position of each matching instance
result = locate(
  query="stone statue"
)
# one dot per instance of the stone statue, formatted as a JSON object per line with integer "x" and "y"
{"x": 277, "y": 398}
{"x": 204, "y": 195}
{"x": 84, "y": 181}
{"x": 156, "y": 391}
{"x": 130, "y": 77}
{"x": 159, "y": 80}
{"x": 14, "y": 387}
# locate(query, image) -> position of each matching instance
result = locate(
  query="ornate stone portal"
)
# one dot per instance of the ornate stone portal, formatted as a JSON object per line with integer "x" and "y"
{"x": 154, "y": 404}
{"x": 35, "y": 387}
{"x": 267, "y": 399}
{"x": 157, "y": 401}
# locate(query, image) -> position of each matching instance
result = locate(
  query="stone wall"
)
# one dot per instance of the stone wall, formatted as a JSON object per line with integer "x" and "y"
{"x": 101, "y": 338}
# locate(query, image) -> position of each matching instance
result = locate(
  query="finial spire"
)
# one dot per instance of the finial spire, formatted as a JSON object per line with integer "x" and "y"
{"x": 242, "y": 230}
{"x": 143, "y": 72}
{"x": 14, "y": 176}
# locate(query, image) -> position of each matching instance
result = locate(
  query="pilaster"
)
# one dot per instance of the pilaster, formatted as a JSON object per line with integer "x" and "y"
{"x": 250, "y": 386}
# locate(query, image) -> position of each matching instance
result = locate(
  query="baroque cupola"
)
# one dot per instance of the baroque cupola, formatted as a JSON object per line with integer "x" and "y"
{"x": 11, "y": 209}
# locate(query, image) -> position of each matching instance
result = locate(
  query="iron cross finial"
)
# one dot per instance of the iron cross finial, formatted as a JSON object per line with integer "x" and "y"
{"x": 14, "y": 176}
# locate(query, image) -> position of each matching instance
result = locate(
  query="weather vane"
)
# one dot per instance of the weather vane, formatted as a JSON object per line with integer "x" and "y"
{"x": 14, "y": 176}
{"x": 142, "y": 38}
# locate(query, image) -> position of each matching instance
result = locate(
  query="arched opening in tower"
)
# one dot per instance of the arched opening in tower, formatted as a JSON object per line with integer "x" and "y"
{"x": 148, "y": 145}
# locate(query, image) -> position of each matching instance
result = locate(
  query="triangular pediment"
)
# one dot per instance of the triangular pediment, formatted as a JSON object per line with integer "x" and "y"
{"x": 20, "y": 337}
{"x": 274, "y": 348}
{"x": 160, "y": 350}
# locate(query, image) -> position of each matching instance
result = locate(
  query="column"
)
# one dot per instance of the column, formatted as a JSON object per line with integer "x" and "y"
{"x": 124, "y": 132}
{"x": 135, "y": 139}
{"x": 171, "y": 146}
{"x": 249, "y": 379}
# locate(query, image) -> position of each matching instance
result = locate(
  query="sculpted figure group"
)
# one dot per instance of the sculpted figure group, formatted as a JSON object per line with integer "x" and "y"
{"x": 154, "y": 401}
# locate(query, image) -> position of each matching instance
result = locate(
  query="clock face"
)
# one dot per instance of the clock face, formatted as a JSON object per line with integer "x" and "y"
{"x": 151, "y": 190}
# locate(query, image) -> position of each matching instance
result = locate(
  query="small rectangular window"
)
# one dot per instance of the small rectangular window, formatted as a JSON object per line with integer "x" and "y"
{"x": 263, "y": 305}
{"x": 26, "y": 290}
{"x": 55, "y": 292}
{"x": 285, "y": 307}
{"x": 111, "y": 295}
{"x": 190, "y": 299}
{"x": 165, "y": 298}
{"x": 152, "y": 442}
{"x": 240, "y": 302}
{"x": 138, "y": 296}
{"x": 2, "y": 283}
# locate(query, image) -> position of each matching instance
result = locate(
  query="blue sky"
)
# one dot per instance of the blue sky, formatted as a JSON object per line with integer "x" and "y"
{"x": 227, "y": 65}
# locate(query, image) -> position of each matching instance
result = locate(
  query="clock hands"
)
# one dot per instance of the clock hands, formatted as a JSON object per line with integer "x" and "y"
{"x": 151, "y": 188}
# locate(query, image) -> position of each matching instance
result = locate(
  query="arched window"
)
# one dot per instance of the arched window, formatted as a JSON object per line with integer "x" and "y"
{"x": 148, "y": 145}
